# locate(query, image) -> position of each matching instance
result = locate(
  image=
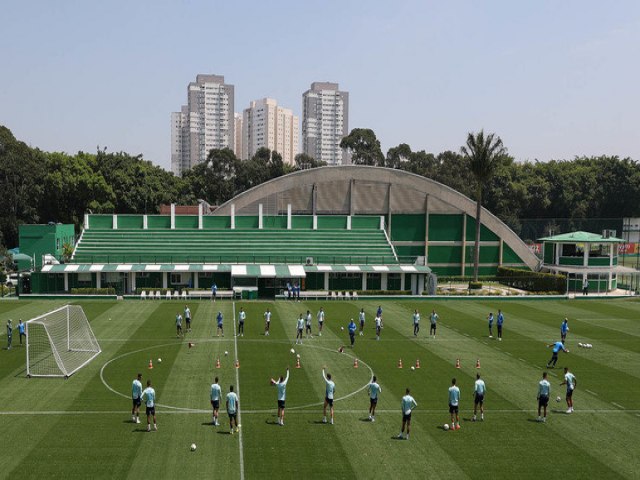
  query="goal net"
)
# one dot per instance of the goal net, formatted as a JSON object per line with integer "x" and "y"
{"x": 59, "y": 343}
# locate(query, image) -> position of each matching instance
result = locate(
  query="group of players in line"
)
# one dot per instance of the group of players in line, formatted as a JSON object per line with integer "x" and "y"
{"x": 408, "y": 403}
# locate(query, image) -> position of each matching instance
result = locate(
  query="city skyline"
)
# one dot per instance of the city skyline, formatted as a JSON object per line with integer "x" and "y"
{"x": 553, "y": 80}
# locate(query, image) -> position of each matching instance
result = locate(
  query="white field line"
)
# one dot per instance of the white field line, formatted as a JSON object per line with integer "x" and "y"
{"x": 617, "y": 405}
{"x": 235, "y": 344}
{"x": 592, "y": 393}
{"x": 272, "y": 411}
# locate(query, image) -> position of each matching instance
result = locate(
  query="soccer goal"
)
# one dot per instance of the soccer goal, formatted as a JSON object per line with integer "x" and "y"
{"x": 59, "y": 343}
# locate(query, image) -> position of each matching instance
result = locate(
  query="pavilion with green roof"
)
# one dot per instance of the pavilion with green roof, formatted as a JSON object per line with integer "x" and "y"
{"x": 586, "y": 256}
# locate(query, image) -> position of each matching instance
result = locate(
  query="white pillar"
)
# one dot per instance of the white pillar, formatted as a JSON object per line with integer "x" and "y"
{"x": 384, "y": 281}
{"x": 196, "y": 280}
{"x": 165, "y": 281}
{"x": 402, "y": 277}
{"x": 133, "y": 282}
{"x": 326, "y": 281}
{"x": 173, "y": 216}
{"x": 587, "y": 247}
{"x": 381, "y": 222}
{"x": 66, "y": 282}
{"x": 558, "y": 247}
{"x": 364, "y": 281}
{"x": 349, "y": 222}
{"x": 199, "y": 216}
{"x": 86, "y": 221}
{"x": 145, "y": 222}
{"x": 315, "y": 222}
{"x": 114, "y": 224}
{"x": 233, "y": 216}
{"x": 98, "y": 280}
{"x": 420, "y": 284}
{"x": 288, "y": 216}
{"x": 260, "y": 224}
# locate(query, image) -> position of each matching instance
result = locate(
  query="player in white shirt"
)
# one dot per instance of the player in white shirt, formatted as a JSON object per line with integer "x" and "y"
{"x": 281, "y": 385}
{"x": 407, "y": 405}
{"x": 149, "y": 397}
{"x": 374, "y": 390}
{"x": 330, "y": 390}
{"x": 241, "y": 318}
{"x": 308, "y": 324}
{"x": 479, "y": 391}
{"x": 434, "y": 323}
{"x": 320, "y": 317}
{"x": 361, "y": 317}
{"x": 416, "y": 323}
{"x": 454, "y": 404}
{"x": 233, "y": 405}
{"x": 187, "y": 317}
{"x": 267, "y": 322}
{"x": 299, "y": 329}
{"x": 378, "y": 322}
{"x": 216, "y": 393}
{"x": 136, "y": 393}
{"x": 178, "y": 325}
{"x": 570, "y": 381}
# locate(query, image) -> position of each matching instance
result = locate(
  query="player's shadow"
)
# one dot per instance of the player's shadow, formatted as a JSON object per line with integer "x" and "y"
{"x": 533, "y": 420}
{"x": 318, "y": 422}
{"x": 271, "y": 422}
{"x": 365, "y": 419}
{"x": 207, "y": 424}
{"x": 441, "y": 427}
{"x": 226, "y": 432}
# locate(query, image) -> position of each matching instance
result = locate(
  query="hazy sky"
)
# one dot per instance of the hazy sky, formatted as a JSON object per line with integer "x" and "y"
{"x": 553, "y": 78}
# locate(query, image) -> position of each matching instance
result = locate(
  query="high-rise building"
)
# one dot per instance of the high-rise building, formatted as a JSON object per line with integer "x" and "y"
{"x": 325, "y": 121}
{"x": 237, "y": 135}
{"x": 205, "y": 123}
{"x": 265, "y": 124}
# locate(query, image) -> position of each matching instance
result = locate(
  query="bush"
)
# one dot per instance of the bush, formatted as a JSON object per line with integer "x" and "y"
{"x": 93, "y": 291}
{"x": 475, "y": 285}
{"x": 383, "y": 292}
{"x": 532, "y": 281}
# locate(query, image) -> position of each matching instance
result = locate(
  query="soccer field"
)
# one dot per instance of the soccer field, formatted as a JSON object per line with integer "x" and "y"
{"x": 81, "y": 427}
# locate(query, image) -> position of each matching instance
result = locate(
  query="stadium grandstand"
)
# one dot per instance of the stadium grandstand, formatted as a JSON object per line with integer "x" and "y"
{"x": 346, "y": 228}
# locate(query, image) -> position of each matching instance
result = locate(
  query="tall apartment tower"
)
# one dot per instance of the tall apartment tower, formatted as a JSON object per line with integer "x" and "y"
{"x": 325, "y": 121}
{"x": 206, "y": 122}
{"x": 237, "y": 135}
{"x": 265, "y": 124}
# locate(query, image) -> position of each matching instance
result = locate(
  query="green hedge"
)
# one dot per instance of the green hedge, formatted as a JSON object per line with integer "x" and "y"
{"x": 475, "y": 285}
{"x": 383, "y": 292}
{"x": 532, "y": 281}
{"x": 93, "y": 291}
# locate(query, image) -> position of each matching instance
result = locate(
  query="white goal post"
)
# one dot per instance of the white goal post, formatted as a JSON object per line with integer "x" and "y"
{"x": 59, "y": 343}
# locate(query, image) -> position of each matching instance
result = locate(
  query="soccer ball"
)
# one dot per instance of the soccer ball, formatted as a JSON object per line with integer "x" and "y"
{"x": 159, "y": 360}
{"x": 226, "y": 353}
{"x": 341, "y": 328}
{"x": 193, "y": 447}
{"x": 412, "y": 367}
{"x": 293, "y": 351}
{"x": 446, "y": 426}
{"x": 558, "y": 398}
{"x": 341, "y": 349}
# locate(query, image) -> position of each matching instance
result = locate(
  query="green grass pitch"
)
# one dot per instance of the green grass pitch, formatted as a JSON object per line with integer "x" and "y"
{"x": 81, "y": 427}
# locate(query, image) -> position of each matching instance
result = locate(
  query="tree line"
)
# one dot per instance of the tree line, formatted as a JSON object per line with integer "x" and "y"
{"x": 40, "y": 187}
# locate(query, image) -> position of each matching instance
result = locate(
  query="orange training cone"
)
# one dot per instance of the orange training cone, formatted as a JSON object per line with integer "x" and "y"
{"x": 150, "y": 364}
{"x": 400, "y": 363}
{"x": 298, "y": 363}
{"x": 478, "y": 363}
{"x": 355, "y": 363}
{"x": 218, "y": 362}
{"x": 237, "y": 363}
{"x": 457, "y": 363}
{"x": 418, "y": 363}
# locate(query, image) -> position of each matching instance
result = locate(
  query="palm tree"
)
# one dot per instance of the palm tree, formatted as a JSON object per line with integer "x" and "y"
{"x": 483, "y": 154}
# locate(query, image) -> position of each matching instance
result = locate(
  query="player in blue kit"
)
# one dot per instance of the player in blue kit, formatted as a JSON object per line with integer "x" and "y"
{"x": 407, "y": 405}
{"x": 233, "y": 405}
{"x": 544, "y": 390}
{"x": 479, "y": 391}
{"x": 556, "y": 349}
{"x": 490, "y": 320}
{"x": 281, "y": 385}
{"x": 564, "y": 328}
{"x": 215, "y": 395}
{"x": 499, "y": 323}
{"x": 374, "y": 392}
{"x": 149, "y": 397}
{"x": 220, "y": 329}
{"x": 352, "y": 331}
{"x": 136, "y": 397}
{"x": 330, "y": 390}
{"x": 454, "y": 404}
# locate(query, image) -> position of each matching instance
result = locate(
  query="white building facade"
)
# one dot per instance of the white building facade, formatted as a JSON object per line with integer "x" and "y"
{"x": 325, "y": 122}
{"x": 266, "y": 124}
{"x": 205, "y": 123}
